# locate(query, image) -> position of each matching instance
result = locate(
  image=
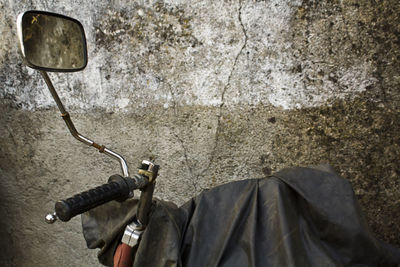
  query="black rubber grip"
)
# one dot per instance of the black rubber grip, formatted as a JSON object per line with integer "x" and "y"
{"x": 117, "y": 189}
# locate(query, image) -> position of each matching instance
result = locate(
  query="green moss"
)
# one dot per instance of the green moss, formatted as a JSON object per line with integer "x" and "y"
{"x": 152, "y": 27}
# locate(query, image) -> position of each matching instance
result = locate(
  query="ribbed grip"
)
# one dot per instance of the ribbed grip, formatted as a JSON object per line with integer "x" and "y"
{"x": 66, "y": 209}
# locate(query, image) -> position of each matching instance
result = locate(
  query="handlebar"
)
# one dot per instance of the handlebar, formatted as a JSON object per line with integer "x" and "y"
{"x": 118, "y": 188}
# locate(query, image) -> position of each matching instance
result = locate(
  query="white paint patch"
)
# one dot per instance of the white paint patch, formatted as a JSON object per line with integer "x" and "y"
{"x": 122, "y": 103}
{"x": 121, "y": 79}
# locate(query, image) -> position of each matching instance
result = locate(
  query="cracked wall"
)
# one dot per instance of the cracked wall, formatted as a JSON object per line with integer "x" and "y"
{"x": 215, "y": 91}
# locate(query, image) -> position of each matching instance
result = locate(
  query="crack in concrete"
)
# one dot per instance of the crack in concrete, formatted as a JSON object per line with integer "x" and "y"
{"x": 219, "y": 116}
{"x": 185, "y": 153}
{"x": 237, "y": 56}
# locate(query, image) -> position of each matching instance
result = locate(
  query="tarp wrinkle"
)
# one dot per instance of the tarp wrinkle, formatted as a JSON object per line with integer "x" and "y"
{"x": 297, "y": 217}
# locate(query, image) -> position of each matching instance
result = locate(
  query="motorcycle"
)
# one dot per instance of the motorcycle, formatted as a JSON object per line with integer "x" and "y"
{"x": 296, "y": 217}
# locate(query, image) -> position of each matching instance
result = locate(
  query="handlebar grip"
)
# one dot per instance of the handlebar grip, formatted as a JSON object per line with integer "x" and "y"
{"x": 118, "y": 188}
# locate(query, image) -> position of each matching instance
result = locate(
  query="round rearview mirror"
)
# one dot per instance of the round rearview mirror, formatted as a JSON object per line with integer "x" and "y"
{"x": 52, "y": 42}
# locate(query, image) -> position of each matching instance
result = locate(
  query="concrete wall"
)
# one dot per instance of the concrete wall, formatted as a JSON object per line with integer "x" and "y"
{"x": 215, "y": 91}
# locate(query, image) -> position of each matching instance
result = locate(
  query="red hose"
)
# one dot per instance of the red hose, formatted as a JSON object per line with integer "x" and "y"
{"x": 123, "y": 256}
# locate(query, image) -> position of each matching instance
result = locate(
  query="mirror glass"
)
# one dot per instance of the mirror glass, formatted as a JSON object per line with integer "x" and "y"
{"x": 52, "y": 42}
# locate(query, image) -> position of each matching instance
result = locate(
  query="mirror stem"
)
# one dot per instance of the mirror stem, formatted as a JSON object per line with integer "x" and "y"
{"x": 74, "y": 132}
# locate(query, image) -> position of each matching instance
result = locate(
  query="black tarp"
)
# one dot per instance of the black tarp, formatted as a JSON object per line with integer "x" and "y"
{"x": 297, "y": 217}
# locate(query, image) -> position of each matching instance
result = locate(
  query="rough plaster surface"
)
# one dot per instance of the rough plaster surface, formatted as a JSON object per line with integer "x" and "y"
{"x": 265, "y": 52}
{"x": 215, "y": 91}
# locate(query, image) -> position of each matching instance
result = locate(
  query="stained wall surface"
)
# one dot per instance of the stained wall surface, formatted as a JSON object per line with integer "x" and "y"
{"x": 214, "y": 91}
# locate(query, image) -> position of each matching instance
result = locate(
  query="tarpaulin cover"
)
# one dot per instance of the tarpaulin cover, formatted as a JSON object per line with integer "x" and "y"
{"x": 297, "y": 217}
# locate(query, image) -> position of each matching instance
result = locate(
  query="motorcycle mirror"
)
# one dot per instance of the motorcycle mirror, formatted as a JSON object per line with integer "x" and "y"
{"x": 52, "y": 42}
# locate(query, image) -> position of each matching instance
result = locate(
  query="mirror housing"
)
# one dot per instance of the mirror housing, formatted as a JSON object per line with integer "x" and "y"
{"x": 52, "y": 42}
